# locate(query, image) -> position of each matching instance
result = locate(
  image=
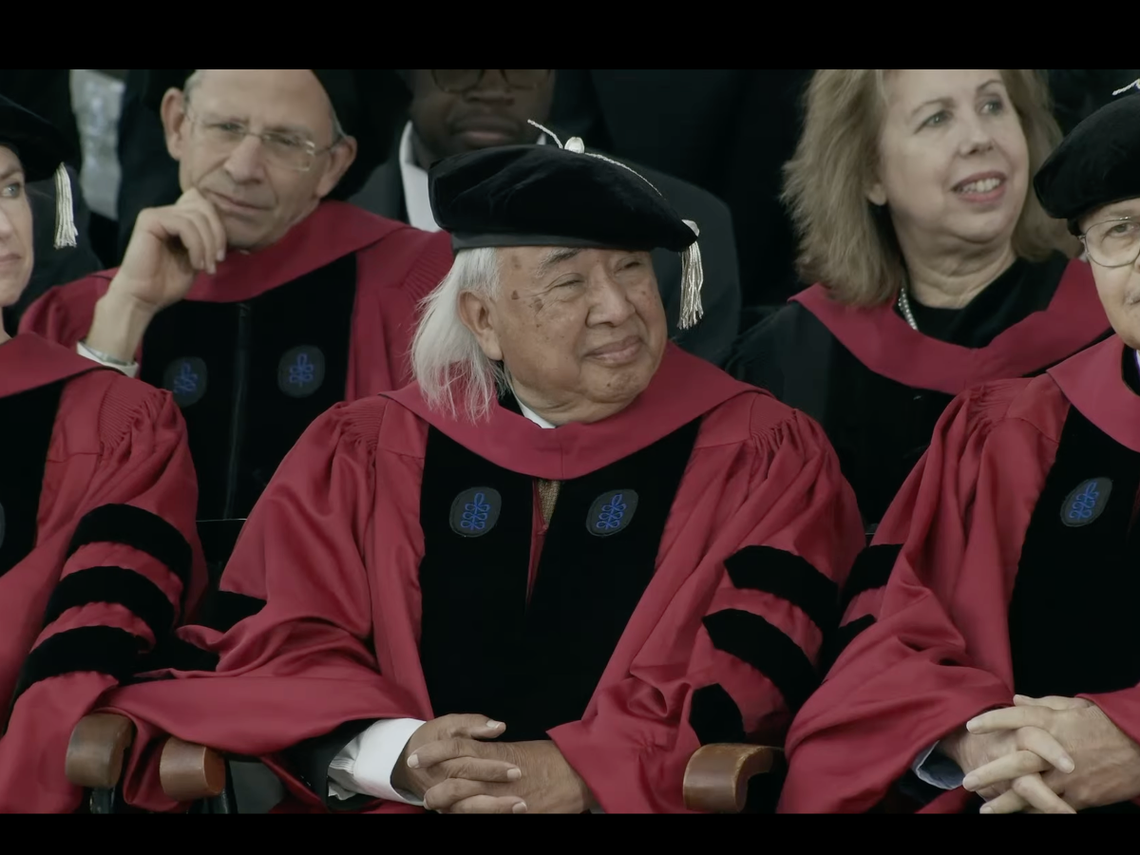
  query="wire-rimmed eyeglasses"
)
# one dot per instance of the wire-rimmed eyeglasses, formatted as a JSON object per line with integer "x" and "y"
{"x": 289, "y": 151}
{"x": 1113, "y": 243}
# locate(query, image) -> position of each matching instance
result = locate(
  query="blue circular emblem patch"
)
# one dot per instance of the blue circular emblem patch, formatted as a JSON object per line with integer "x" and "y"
{"x": 611, "y": 512}
{"x": 1086, "y": 502}
{"x": 185, "y": 378}
{"x": 475, "y": 512}
{"x": 301, "y": 371}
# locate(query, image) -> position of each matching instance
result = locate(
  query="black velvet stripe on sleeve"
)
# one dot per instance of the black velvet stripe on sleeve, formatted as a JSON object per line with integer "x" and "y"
{"x": 789, "y": 577}
{"x": 135, "y": 592}
{"x": 102, "y": 649}
{"x": 178, "y": 655}
{"x": 766, "y": 648}
{"x": 715, "y": 717}
{"x": 138, "y": 529}
{"x": 871, "y": 570}
{"x": 836, "y": 642}
{"x": 227, "y": 608}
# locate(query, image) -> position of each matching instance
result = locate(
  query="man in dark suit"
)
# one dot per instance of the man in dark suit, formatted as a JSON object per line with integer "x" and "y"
{"x": 454, "y": 111}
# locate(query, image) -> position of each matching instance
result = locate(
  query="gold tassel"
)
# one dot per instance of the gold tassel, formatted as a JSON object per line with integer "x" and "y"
{"x": 692, "y": 278}
{"x": 65, "y": 233}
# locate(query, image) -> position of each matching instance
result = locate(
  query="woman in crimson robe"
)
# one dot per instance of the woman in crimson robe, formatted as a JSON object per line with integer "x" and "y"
{"x": 992, "y": 656}
{"x": 561, "y": 561}
{"x": 936, "y": 268}
{"x": 98, "y": 556}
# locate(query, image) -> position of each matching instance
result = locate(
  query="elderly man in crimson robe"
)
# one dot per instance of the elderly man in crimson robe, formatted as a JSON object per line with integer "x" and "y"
{"x": 540, "y": 577}
{"x": 258, "y": 298}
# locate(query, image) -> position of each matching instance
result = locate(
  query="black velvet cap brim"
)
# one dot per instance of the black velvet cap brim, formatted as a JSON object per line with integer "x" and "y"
{"x": 40, "y": 147}
{"x": 1095, "y": 165}
{"x": 369, "y": 103}
{"x": 532, "y": 195}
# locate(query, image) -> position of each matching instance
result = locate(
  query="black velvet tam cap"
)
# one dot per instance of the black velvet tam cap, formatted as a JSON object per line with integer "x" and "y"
{"x": 368, "y": 102}
{"x": 544, "y": 195}
{"x": 1095, "y": 165}
{"x": 42, "y": 150}
{"x": 40, "y": 147}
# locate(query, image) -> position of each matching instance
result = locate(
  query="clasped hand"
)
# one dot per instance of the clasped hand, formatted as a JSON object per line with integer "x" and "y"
{"x": 1051, "y": 755}
{"x": 449, "y": 763}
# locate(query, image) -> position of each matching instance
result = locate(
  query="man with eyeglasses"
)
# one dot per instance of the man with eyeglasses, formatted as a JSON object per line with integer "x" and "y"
{"x": 1002, "y": 658}
{"x": 454, "y": 111}
{"x": 257, "y": 298}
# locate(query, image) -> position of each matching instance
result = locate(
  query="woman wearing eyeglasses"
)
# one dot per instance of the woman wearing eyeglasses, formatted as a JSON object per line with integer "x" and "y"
{"x": 1002, "y": 660}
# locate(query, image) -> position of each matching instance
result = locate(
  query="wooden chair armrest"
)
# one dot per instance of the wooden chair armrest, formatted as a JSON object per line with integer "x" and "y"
{"x": 97, "y": 749}
{"x": 190, "y": 772}
{"x": 717, "y": 776}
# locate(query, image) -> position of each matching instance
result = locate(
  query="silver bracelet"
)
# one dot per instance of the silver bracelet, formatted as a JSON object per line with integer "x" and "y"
{"x": 106, "y": 357}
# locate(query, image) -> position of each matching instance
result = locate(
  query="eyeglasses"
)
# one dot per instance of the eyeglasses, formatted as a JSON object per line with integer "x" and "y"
{"x": 288, "y": 151}
{"x": 1113, "y": 243}
{"x": 460, "y": 80}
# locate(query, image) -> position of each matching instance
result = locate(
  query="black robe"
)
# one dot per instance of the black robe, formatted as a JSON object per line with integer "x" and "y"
{"x": 878, "y": 388}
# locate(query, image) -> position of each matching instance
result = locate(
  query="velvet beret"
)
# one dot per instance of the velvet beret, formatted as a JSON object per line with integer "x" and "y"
{"x": 544, "y": 195}
{"x": 40, "y": 147}
{"x": 369, "y": 103}
{"x": 1097, "y": 164}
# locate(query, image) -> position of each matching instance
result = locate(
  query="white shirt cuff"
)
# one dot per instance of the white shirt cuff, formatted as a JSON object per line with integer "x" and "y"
{"x": 364, "y": 766}
{"x": 131, "y": 370}
{"x": 935, "y": 768}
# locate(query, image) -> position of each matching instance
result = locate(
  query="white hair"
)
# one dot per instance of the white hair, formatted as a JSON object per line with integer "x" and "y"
{"x": 191, "y": 82}
{"x": 451, "y": 368}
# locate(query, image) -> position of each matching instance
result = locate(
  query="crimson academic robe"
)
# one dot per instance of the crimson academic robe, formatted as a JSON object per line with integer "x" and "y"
{"x": 878, "y": 387}
{"x": 271, "y": 341}
{"x": 98, "y": 554}
{"x": 1006, "y": 564}
{"x": 399, "y": 565}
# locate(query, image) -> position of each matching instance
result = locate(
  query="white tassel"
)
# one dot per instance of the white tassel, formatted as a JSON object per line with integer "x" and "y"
{"x": 692, "y": 278}
{"x": 546, "y": 131}
{"x": 1135, "y": 84}
{"x": 65, "y": 233}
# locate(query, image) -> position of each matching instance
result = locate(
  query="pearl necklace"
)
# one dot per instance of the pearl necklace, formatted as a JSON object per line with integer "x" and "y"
{"x": 904, "y": 305}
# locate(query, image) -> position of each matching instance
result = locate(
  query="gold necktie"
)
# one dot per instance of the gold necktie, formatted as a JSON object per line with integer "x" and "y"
{"x": 548, "y": 493}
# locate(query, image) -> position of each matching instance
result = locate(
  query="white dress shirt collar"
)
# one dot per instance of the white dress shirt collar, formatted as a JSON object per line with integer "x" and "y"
{"x": 415, "y": 180}
{"x": 532, "y": 415}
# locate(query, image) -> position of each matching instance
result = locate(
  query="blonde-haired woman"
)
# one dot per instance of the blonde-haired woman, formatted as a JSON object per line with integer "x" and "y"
{"x": 936, "y": 267}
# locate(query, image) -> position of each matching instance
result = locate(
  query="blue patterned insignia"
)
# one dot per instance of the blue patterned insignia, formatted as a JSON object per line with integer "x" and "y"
{"x": 1086, "y": 503}
{"x": 186, "y": 379}
{"x": 301, "y": 371}
{"x": 611, "y": 512}
{"x": 475, "y": 512}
